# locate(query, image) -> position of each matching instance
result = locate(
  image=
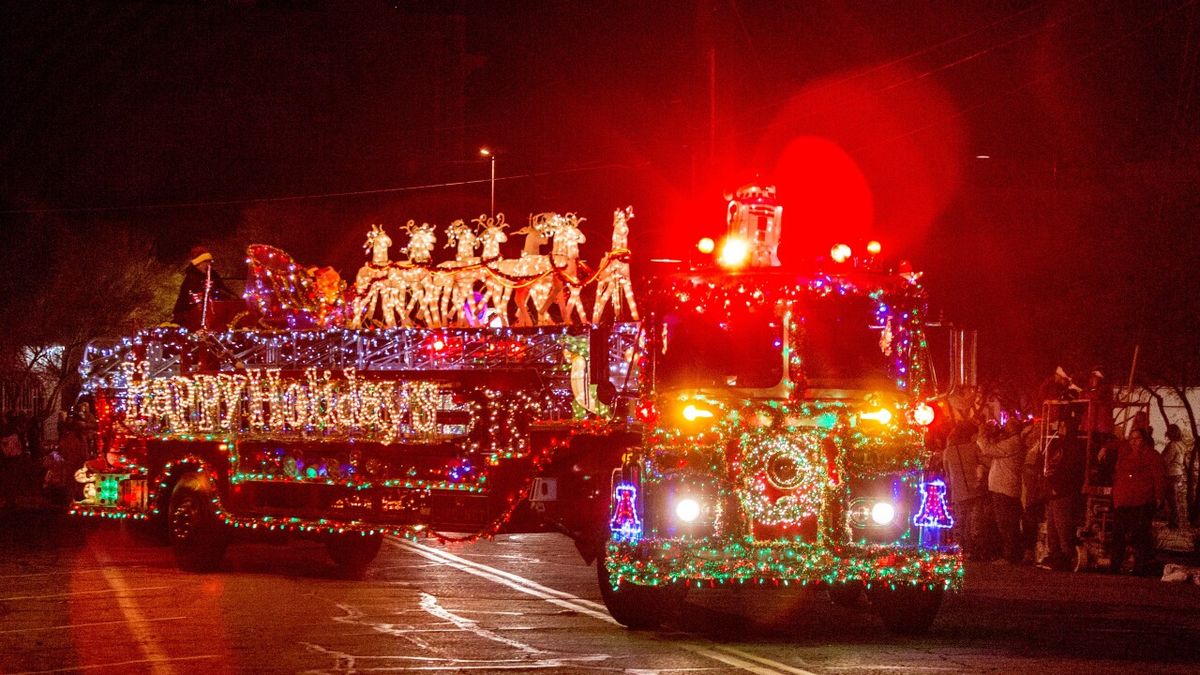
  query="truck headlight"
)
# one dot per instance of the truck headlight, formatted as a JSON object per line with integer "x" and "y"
{"x": 883, "y": 513}
{"x": 696, "y": 414}
{"x": 873, "y": 512}
{"x": 883, "y": 416}
{"x": 687, "y": 510}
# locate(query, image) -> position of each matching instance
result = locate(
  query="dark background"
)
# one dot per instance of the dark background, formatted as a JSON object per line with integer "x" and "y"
{"x": 1073, "y": 241}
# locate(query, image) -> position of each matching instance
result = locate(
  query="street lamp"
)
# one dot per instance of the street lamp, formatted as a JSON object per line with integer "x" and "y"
{"x": 484, "y": 152}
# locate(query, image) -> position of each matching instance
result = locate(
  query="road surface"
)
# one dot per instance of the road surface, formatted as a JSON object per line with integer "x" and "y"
{"x": 86, "y": 597}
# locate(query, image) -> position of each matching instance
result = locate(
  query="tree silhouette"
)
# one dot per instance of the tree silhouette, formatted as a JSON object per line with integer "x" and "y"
{"x": 63, "y": 287}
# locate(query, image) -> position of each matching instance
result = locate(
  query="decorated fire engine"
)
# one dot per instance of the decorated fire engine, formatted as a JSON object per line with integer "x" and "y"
{"x": 739, "y": 423}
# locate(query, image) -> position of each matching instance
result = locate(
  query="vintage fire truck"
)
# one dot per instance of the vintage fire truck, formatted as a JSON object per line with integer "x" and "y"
{"x": 749, "y": 423}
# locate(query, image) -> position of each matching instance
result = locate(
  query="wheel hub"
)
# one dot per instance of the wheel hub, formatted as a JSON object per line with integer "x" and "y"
{"x": 183, "y": 519}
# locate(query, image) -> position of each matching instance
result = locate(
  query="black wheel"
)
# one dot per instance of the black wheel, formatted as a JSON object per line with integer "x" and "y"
{"x": 847, "y": 594}
{"x": 353, "y": 553}
{"x": 197, "y": 536}
{"x": 907, "y": 610}
{"x": 638, "y": 607}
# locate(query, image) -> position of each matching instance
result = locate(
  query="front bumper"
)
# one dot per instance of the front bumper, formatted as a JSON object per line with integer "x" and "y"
{"x": 740, "y": 561}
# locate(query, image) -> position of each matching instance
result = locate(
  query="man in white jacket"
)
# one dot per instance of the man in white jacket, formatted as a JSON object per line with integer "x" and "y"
{"x": 1005, "y": 448}
{"x": 1175, "y": 455}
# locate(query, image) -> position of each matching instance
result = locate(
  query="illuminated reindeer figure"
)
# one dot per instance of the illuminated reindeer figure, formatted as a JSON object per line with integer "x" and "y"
{"x": 496, "y": 292}
{"x": 421, "y": 241}
{"x": 491, "y": 234}
{"x": 513, "y": 278}
{"x": 542, "y": 286}
{"x": 460, "y": 237}
{"x": 458, "y": 306}
{"x": 396, "y": 303}
{"x": 424, "y": 285}
{"x": 565, "y": 255}
{"x": 377, "y": 244}
{"x": 367, "y": 285}
{"x": 614, "y": 281}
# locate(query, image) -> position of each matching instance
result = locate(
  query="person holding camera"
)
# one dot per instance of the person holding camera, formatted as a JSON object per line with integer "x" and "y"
{"x": 1005, "y": 447}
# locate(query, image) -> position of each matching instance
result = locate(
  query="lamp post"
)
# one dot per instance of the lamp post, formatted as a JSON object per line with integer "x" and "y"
{"x": 484, "y": 152}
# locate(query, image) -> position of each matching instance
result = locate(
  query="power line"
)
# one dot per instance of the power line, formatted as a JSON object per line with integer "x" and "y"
{"x": 921, "y": 52}
{"x": 324, "y": 195}
{"x": 1032, "y": 81}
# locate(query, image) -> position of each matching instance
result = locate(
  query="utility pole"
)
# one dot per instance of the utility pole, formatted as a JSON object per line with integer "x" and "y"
{"x": 484, "y": 152}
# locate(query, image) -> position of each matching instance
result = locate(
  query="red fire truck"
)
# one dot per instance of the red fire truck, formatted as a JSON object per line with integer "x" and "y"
{"x": 753, "y": 424}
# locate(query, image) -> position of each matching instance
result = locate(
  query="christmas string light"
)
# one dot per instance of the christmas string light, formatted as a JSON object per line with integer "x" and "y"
{"x": 725, "y": 560}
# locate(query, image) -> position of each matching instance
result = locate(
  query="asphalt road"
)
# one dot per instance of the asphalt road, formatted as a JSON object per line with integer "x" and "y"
{"x": 96, "y": 598}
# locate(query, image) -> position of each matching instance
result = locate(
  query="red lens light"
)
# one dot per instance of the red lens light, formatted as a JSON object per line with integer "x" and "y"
{"x": 647, "y": 413}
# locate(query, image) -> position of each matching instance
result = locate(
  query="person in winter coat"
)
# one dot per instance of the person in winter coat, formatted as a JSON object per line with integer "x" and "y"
{"x": 1099, "y": 394}
{"x": 1034, "y": 495}
{"x": 196, "y": 289}
{"x": 1175, "y": 456}
{"x": 1066, "y": 462}
{"x": 1139, "y": 488}
{"x": 966, "y": 486}
{"x": 1006, "y": 448}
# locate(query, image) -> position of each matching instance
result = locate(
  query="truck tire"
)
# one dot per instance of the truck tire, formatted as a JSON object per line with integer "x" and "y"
{"x": 198, "y": 538}
{"x": 638, "y": 607}
{"x": 353, "y": 553}
{"x": 907, "y": 610}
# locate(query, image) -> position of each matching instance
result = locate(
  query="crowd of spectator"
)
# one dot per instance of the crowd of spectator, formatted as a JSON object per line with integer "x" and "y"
{"x": 1011, "y": 472}
{"x": 1008, "y": 472}
{"x": 33, "y": 469}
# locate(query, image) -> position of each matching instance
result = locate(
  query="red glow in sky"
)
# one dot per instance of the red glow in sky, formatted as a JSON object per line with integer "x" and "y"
{"x": 828, "y": 198}
{"x": 875, "y": 153}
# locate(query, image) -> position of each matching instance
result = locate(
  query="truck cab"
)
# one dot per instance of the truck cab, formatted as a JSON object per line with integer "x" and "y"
{"x": 785, "y": 413}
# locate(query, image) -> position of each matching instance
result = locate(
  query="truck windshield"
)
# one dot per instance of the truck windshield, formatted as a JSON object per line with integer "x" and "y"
{"x": 716, "y": 350}
{"x": 844, "y": 344}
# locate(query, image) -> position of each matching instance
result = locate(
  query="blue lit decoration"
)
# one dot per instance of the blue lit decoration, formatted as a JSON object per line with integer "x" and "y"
{"x": 461, "y": 471}
{"x": 934, "y": 512}
{"x": 625, "y": 524}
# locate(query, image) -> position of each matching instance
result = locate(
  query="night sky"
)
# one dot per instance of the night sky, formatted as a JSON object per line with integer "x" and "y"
{"x": 1072, "y": 241}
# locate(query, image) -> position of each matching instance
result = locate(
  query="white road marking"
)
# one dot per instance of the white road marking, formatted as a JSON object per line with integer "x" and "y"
{"x": 73, "y": 570}
{"x": 765, "y": 661}
{"x": 354, "y": 616}
{"x": 660, "y": 671}
{"x": 958, "y": 668}
{"x": 529, "y": 583}
{"x": 727, "y": 655}
{"x": 489, "y": 612}
{"x": 143, "y": 634}
{"x": 500, "y": 577}
{"x": 95, "y": 666}
{"x": 353, "y": 663}
{"x": 72, "y": 594}
{"x": 84, "y": 625}
{"x": 431, "y": 605}
{"x": 728, "y": 659}
{"x": 514, "y": 557}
